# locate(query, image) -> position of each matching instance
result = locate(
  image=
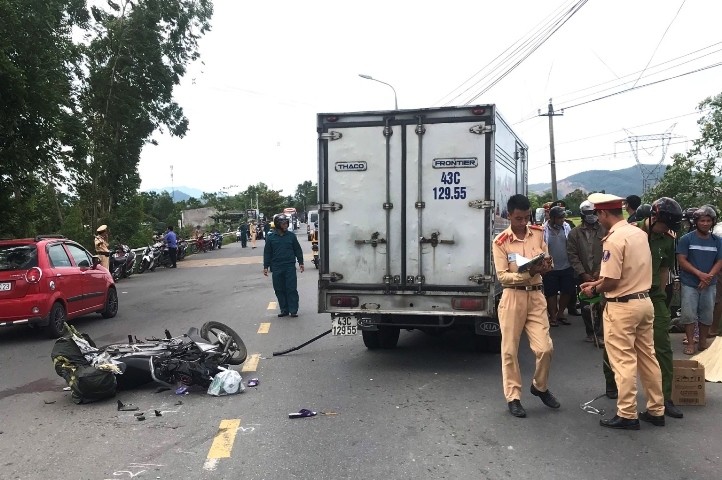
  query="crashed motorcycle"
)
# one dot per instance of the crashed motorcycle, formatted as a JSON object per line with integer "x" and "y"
{"x": 194, "y": 358}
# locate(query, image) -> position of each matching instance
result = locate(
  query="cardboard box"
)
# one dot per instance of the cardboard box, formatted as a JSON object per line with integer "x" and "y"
{"x": 688, "y": 383}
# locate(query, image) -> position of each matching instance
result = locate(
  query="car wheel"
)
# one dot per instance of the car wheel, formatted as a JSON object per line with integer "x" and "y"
{"x": 111, "y": 304}
{"x": 389, "y": 337}
{"x": 372, "y": 339}
{"x": 56, "y": 321}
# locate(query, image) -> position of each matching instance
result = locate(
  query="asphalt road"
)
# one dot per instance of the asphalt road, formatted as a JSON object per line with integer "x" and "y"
{"x": 432, "y": 408}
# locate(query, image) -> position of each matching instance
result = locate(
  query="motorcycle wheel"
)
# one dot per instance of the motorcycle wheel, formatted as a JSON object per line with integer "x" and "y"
{"x": 143, "y": 266}
{"x": 216, "y": 333}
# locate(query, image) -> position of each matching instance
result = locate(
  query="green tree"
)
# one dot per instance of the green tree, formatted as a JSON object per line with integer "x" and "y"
{"x": 306, "y": 196}
{"x": 39, "y": 127}
{"x": 693, "y": 178}
{"x": 574, "y": 199}
{"x": 137, "y": 53}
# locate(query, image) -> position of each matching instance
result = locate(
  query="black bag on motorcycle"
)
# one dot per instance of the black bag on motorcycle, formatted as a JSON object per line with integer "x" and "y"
{"x": 87, "y": 383}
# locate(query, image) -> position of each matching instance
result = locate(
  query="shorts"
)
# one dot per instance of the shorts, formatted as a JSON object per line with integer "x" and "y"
{"x": 559, "y": 281}
{"x": 697, "y": 305}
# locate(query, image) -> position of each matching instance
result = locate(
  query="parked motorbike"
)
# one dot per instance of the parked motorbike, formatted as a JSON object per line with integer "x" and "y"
{"x": 147, "y": 261}
{"x": 182, "y": 249}
{"x": 122, "y": 262}
{"x": 217, "y": 238}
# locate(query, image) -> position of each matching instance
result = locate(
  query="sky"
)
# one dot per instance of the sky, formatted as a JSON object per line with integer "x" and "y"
{"x": 267, "y": 68}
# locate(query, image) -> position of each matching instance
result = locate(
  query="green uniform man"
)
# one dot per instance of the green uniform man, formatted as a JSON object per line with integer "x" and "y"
{"x": 666, "y": 218}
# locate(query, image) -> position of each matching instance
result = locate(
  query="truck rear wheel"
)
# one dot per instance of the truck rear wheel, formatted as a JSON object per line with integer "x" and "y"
{"x": 384, "y": 337}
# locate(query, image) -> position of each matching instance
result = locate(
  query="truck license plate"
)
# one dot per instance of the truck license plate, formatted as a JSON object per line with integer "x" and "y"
{"x": 5, "y": 286}
{"x": 344, "y": 326}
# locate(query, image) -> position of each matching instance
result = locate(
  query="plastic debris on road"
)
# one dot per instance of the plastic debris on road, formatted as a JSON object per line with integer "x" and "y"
{"x": 226, "y": 382}
{"x": 253, "y": 382}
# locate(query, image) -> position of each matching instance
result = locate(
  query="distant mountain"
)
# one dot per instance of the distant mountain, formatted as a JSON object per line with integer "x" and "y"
{"x": 627, "y": 181}
{"x": 181, "y": 193}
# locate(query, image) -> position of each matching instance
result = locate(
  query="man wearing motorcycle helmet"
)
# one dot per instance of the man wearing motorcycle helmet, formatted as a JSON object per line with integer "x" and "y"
{"x": 664, "y": 219}
{"x": 280, "y": 253}
{"x": 561, "y": 279}
{"x": 699, "y": 254}
{"x": 584, "y": 247}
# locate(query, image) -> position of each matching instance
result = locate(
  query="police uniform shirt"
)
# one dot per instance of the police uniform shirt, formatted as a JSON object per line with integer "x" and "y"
{"x": 507, "y": 246}
{"x": 627, "y": 258}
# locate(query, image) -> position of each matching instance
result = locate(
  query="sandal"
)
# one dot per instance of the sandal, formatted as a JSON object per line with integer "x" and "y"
{"x": 688, "y": 350}
{"x": 553, "y": 323}
{"x": 564, "y": 321}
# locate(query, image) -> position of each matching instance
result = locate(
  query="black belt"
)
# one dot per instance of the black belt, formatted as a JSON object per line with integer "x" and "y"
{"x": 528, "y": 288}
{"x": 631, "y": 296}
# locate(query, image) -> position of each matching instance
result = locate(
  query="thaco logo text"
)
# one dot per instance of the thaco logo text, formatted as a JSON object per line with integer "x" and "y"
{"x": 350, "y": 166}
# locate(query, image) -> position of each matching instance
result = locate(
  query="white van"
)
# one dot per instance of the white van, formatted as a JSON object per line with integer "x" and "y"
{"x": 311, "y": 223}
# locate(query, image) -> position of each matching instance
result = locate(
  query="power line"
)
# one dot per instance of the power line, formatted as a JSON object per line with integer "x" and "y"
{"x": 556, "y": 27}
{"x": 618, "y": 79}
{"x": 660, "y": 42}
{"x": 645, "y": 85}
{"x": 603, "y": 155}
{"x": 530, "y": 33}
{"x": 696, "y": 112}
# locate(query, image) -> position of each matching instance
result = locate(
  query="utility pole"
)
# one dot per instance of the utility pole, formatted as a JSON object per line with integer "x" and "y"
{"x": 551, "y": 114}
{"x": 172, "y": 186}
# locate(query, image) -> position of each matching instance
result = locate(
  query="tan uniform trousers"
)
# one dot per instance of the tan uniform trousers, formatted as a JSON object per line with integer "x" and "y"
{"x": 629, "y": 339}
{"x": 519, "y": 311}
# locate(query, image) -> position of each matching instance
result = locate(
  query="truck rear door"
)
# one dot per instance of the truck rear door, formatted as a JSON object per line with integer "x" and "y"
{"x": 406, "y": 199}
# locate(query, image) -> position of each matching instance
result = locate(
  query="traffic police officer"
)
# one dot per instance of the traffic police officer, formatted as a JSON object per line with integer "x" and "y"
{"x": 625, "y": 280}
{"x": 102, "y": 245}
{"x": 665, "y": 219}
{"x": 522, "y": 306}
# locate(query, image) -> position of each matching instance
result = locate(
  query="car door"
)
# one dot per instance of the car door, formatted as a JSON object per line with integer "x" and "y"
{"x": 67, "y": 278}
{"x": 94, "y": 280}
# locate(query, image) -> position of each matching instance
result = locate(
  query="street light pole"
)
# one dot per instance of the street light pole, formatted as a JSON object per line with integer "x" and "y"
{"x": 369, "y": 77}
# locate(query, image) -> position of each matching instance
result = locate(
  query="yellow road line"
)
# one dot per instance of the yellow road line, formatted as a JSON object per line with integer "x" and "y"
{"x": 264, "y": 327}
{"x": 252, "y": 363}
{"x": 271, "y": 306}
{"x": 222, "y": 443}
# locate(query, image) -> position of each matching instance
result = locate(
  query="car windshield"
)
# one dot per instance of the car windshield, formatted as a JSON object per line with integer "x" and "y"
{"x": 18, "y": 257}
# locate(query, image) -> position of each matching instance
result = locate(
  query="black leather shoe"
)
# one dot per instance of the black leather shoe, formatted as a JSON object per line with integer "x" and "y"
{"x": 516, "y": 409}
{"x": 656, "y": 420}
{"x": 283, "y": 314}
{"x": 612, "y": 392}
{"x": 620, "y": 423}
{"x": 671, "y": 410}
{"x": 546, "y": 397}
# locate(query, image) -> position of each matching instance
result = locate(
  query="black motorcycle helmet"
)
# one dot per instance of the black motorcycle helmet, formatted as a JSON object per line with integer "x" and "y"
{"x": 667, "y": 211}
{"x": 279, "y": 219}
{"x": 643, "y": 211}
{"x": 557, "y": 212}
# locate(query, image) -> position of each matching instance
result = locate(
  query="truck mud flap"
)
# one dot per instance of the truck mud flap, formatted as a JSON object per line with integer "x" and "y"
{"x": 487, "y": 327}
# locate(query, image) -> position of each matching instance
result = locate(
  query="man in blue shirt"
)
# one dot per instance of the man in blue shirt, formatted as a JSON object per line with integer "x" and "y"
{"x": 281, "y": 252}
{"x": 171, "y": 240}
{"x": 699, "y": 254}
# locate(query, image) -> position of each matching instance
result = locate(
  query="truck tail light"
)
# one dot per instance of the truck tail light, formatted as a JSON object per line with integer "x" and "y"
{"x": 332, "y": 118}
{"x": 33, "y": 275}
{"x": 468, "y": 303}
{"x": 343, "y": 301}
{"x": 478, "y": 110}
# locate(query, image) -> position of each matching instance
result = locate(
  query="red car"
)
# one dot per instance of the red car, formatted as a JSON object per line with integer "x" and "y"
{"x": 48, "y": 280}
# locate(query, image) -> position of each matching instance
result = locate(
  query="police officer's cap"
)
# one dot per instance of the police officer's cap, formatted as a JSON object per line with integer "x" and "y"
{"x": 606, "y": 201}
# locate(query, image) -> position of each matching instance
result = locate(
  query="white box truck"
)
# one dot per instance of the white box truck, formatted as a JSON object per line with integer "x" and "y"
{"x": 409, "y": 204}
